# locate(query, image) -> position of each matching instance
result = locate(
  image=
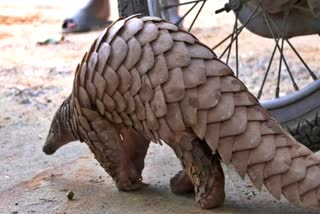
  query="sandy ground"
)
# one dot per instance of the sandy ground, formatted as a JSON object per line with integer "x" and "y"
{"x": 33, "y": 82}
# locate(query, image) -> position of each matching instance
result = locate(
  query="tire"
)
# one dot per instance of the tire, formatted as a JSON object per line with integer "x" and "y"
{"x": 298, "y": 112}
{"x": 130, "y": 7}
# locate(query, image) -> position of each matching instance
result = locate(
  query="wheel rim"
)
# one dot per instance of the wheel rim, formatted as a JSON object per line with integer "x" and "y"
{"x": 278, "y": 62}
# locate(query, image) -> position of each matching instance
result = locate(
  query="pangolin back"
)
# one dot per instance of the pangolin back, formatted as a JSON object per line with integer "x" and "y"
{"x": 148, "y": 74}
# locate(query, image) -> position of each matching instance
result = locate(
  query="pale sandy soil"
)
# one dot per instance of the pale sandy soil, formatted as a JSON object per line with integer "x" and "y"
{"x": 33, "y": 82}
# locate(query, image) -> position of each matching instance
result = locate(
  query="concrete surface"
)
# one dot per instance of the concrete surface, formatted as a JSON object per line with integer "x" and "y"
{"x": 33, "y": 82}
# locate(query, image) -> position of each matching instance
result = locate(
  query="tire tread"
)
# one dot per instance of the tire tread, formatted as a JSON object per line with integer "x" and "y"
{"x": 307, "y": 131}
{"x": 130, "y": 7}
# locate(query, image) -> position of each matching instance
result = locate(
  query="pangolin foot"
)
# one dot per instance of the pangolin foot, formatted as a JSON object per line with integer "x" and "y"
{"x": 130, "y": 186}
{"x": 181, "y": 183}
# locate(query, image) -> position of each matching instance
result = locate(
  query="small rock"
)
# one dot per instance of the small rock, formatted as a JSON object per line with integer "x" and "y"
{"x": 70, "y": 195}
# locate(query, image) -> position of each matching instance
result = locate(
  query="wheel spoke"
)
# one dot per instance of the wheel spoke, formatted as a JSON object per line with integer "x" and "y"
{"x": 279, "y": 71}
{"x": 294, "y": 84}
{"x": 253, "y": 15}
{"x": 181, "y": 4}
{"x": 303, "y": 9}
{"x": 267, "y": 71}
{"x": 182, "y": 18}
{"x": 269, "y": 20}
{"x": 233, "y": 33}
{"x": 314, "y": 77}
{"x": 282, "y": 57}
{"x": 237, "y": 50}
{"x": 220, "y": 43}
{"x": 196, "y": 17}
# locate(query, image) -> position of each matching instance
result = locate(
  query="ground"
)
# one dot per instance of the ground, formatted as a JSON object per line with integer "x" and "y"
{"x": 34, "y": 80}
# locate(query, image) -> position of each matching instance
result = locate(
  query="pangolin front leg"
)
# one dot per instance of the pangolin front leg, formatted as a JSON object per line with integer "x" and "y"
{"x": 122, "y": 158}
{"x": 204, "y": 171}
{"x": 136, "y": 147}
{"x": 181, "y": 183}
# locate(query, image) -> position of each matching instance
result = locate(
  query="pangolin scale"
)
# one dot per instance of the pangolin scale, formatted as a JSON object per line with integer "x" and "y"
{"x": 144, "y": 79}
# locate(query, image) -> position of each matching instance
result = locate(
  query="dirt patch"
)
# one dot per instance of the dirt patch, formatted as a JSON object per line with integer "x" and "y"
{"x": 38, "y": 96}
{"x": 13, "y": 20}
{"x": 4, "y": 35}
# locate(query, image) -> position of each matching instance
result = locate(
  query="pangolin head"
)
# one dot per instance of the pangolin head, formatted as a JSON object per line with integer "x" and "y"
{"x": 60, "y": 132}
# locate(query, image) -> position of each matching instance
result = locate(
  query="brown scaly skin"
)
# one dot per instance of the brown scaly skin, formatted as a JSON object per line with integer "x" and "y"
{"x": 144, "y": 79}
{"x": 124, "y": 160}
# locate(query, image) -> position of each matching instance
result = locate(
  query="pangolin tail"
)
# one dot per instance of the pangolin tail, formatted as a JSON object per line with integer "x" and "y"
{"x": 271, "y": 156}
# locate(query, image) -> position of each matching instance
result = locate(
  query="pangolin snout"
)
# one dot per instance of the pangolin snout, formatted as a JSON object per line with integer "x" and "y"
{"x": 48, "y": 150}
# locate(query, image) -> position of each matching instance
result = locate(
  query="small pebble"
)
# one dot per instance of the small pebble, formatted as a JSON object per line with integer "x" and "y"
{"x": 70, "y": 195}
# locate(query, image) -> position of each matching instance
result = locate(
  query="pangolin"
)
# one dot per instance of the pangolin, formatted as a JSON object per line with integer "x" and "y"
{"x": 143, "y": 80}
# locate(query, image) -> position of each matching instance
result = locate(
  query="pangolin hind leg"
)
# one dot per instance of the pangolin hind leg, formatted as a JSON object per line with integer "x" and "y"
{"x": 203, "y": 169}
{"x": 115, "y": 156}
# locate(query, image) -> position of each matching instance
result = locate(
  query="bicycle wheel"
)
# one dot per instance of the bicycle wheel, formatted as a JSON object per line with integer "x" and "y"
{"x": 280, "y": 70}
